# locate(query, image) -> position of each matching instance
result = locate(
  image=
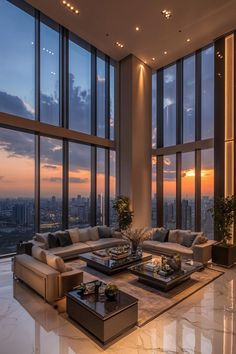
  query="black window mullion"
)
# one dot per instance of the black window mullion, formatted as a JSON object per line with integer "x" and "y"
{"x": 159, "y": 190}
{"x": 179, "y": 102}
{"x": 107, "y": 98}
{"x": 65, "y": 184}
{"x": 198, "y": 95}
{"x": 93, "y": 91}
{"x": 93, "y": 199}
{"x": 37, "y": 65}
{"x": 37, "y": 184}
{"x": 198, "y": 190}
{"x": 107, "y": 186}
{"x": 160, "y": 107}
{"x": 64, "y": 78}
{"x": 178, "y": 191}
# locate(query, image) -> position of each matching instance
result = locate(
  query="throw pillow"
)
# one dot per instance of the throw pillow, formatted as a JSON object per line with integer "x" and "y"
{"x": 53, "y": 241}
{"x": 104, "y": 232}
{"x": 39, "y": 254}
{"x": 200, "y": 239}
{"x": 173, "y": 236}
{"x": 161, "y": 235}
{"x": 93, "y": 233}
{"x": 43, "y": 237}
{"x": 56, "y": 263}
{"x": 74, "y": 234}
{"x": 64, "y": 238}
{"x": 84, "y": 235}
{"x": 188, "y": 239}
{"x": 181, "y": 234}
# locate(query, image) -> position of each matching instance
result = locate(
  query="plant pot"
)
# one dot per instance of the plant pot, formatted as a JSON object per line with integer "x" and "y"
{"x": 224, "y": 255}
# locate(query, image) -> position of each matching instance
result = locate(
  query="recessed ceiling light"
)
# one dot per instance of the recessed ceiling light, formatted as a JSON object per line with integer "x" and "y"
{"x": 137, "y": 28}
{"x": 167, "y": 14}
{"x": 120, "y": 45}
{"x": 165, "y": 52}
{"x": 70, "y": 7}
{"x": 188, "y": 39}
{"x": 153, "y": 59}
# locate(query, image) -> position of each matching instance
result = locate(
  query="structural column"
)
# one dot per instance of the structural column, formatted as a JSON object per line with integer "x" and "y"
{"x": 135, "y": 93}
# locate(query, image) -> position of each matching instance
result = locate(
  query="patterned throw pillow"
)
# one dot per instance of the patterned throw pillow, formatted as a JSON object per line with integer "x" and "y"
{"x": 188, "y": 239}
{"x": 161, "y": 235}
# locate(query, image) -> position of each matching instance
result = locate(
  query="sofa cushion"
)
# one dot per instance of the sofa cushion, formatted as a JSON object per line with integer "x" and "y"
{"x": 188, "y": 239}
{"x": 64, "y": 238}
{"x": 72, "y": 250}
{"x": 166, "y": 247}
{"x": 42, "y": 237}
{"x": 39, "y": 254}
{"x": 200, "y": 239}
{"x": 173, "y": 236}
{"x": 105, "y": 243}
{"x": 160, "y": 235}
{"x": 104, "y": 232}
{"x": 53, "y": 240}
{"x": 182, "y": 234}
{"x": 84, "y": 235}
{"x": 93, "y": 233}
{"x": 34, "y": 265}
{"x": 74, "y": 234}
{"x": 56, "y": 262}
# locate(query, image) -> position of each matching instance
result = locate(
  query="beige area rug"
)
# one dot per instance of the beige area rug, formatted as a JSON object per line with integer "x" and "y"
{"x": 152, "y": 302}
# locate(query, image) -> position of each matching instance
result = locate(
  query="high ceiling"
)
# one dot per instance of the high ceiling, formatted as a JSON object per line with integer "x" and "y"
{"x": 104, "y": 22}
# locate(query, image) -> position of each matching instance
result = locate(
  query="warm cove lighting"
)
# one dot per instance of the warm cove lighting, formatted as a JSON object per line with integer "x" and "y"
{"x": 71, "y": 7}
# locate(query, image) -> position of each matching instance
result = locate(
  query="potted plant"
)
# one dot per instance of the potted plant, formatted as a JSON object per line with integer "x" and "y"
{"x": 224, "y": 252}
{"x": 125, "y": 215}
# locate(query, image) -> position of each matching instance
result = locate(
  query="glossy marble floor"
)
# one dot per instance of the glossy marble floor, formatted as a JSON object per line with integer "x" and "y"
{"x": 205, "y": 323}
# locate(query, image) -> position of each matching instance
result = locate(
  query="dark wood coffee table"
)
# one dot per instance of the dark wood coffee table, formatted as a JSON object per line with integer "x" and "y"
{"x": 105, "y": 319}
{"x": 111, "y": 266}
{"x": 165, "y": 283}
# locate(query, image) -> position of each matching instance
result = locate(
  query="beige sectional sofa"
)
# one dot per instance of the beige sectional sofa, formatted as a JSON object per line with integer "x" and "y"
{"x": 200, "y": 252}
{"x": 87, "y": 240}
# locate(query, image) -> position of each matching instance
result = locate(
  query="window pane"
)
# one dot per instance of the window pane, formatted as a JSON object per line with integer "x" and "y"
{"x": 169, "y": 124}
{"x": 112, "y": 102}
{"x": 100, "y": 186}
{"x": 154, "y": 110}
{"x": 49, "y": 75}
{"x": 189, "y": 99}
{"x": 207, "y": 197}
{"x": 169, "y": 191}
{"x": 50, "y": 184}
{"x": 154, "y": 191}
{"x": 79, "y": 88}
{"x": 208, "y": 93}
{"x": 101, "y": 96}
{"x": 17, "y": 64}
{"x": 188, "y": 190}
{"x": 16, "y": 189}
{"x": 112, "y": 186}
{"x": 79, "y": 185}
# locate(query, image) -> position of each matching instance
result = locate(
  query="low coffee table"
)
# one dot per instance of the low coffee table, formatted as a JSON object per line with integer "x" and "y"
{"x": 111, "y": 266}
{"x": 165, "y": 283}
{"x": 103, "y": 318}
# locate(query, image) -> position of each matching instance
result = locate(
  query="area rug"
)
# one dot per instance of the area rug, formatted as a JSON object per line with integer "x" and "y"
{"x": 152, "y": 302}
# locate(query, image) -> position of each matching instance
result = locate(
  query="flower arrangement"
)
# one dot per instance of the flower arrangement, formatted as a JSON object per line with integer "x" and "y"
{"x": 136, "y": 236}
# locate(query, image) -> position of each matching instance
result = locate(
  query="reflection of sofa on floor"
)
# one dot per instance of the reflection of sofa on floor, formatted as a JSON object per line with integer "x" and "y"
{"x": 189, "y": 244}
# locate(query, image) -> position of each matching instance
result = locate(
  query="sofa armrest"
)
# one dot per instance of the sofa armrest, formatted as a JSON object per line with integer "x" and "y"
{"x": 68, "y": 280}
{"x": 202, "y": 252}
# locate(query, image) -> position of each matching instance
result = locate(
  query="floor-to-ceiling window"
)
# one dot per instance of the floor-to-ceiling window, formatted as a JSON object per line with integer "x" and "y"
{"x": 54, "y": 177}
{"x": 183, "y": 110}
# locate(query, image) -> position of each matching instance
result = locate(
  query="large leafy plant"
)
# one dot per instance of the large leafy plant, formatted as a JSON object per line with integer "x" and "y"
{"x": 124, "y": 213}
{"x": 223, "y": 215}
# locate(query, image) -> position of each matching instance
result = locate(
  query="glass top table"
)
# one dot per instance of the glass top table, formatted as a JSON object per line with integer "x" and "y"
{"x": 167, "y": 282}
{"x": 110, "y": 266}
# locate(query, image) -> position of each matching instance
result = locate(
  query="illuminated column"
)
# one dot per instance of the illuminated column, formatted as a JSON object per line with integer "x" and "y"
{"x": 135, "y": 137}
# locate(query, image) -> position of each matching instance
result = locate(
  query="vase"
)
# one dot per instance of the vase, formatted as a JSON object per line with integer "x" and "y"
{"x": 136, "y": 248}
